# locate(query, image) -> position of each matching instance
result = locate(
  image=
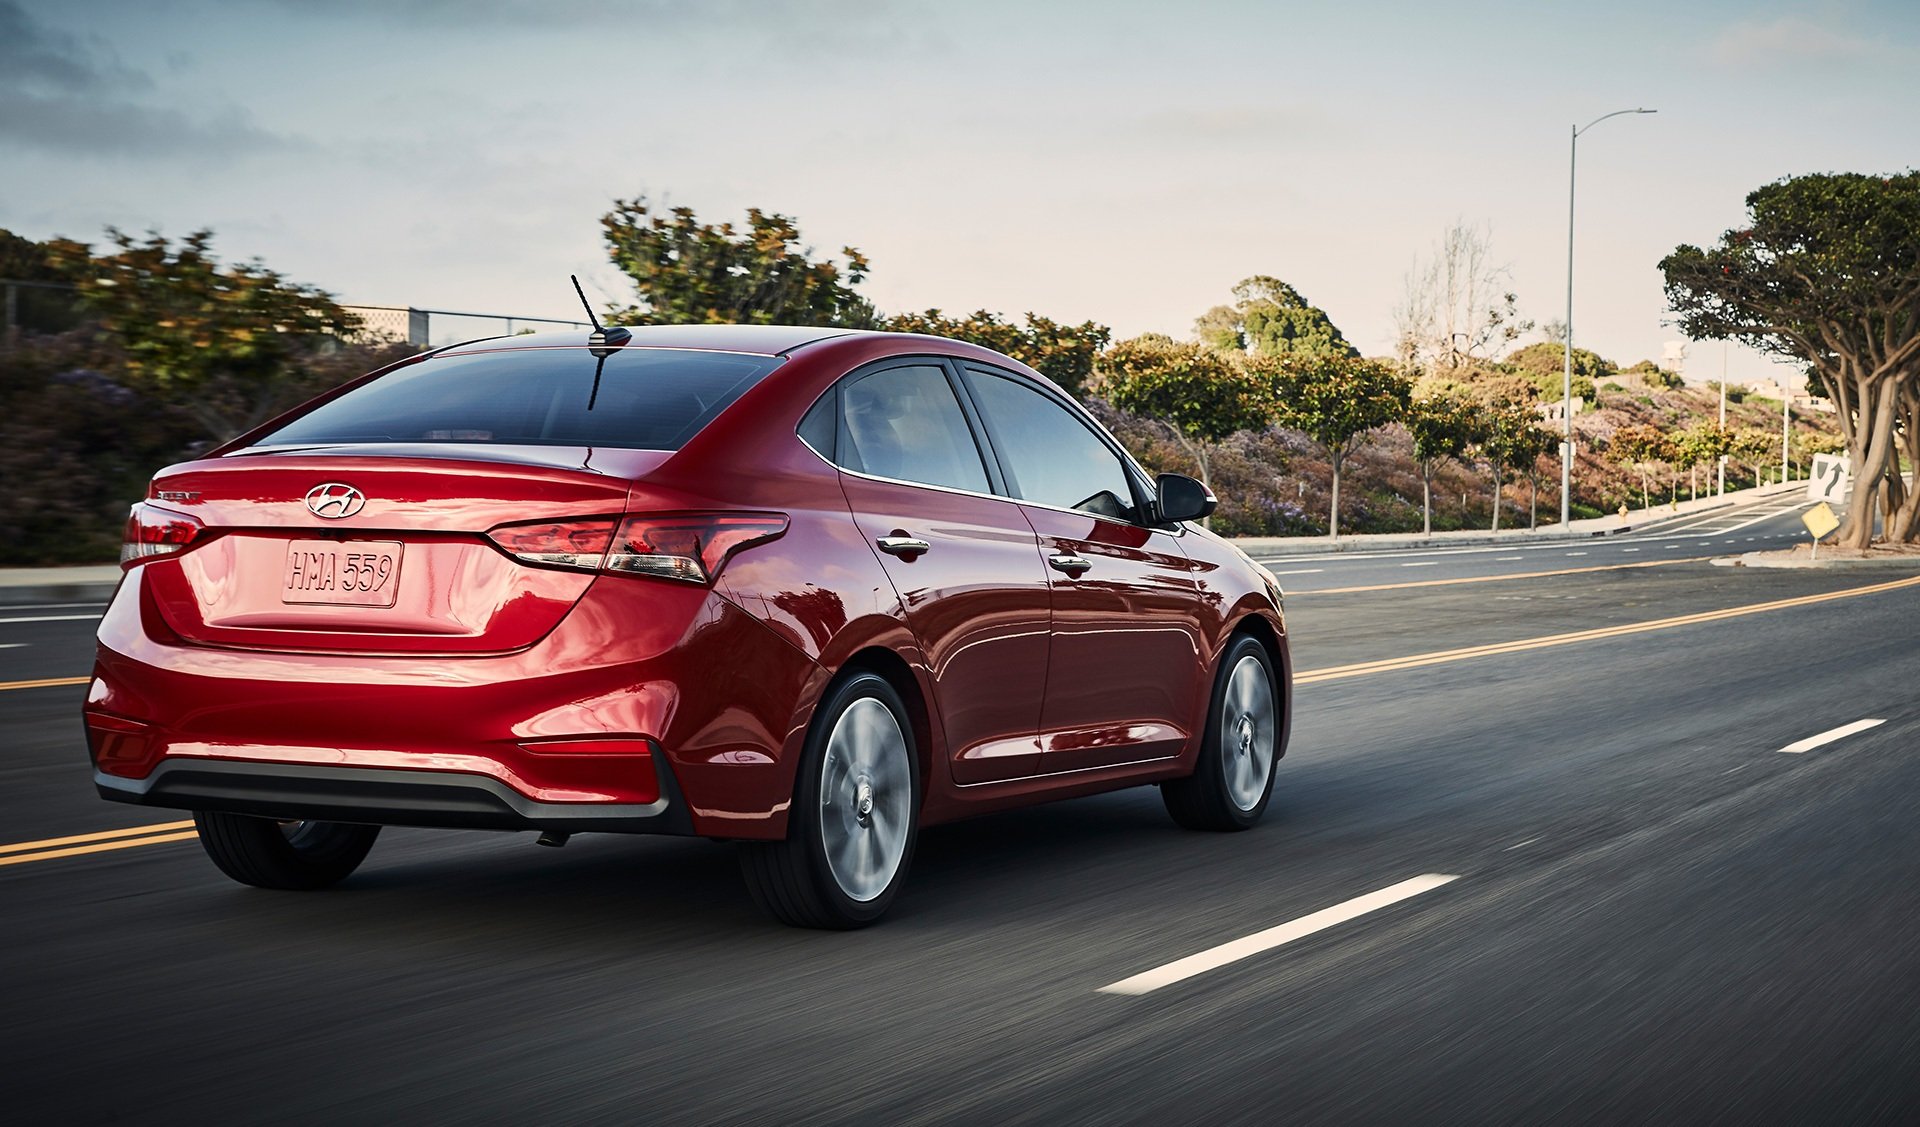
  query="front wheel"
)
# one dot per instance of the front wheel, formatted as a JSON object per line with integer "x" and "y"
{"x": 851, "y": 829}
{"x": 1233, "y": 779}
{"x": 289, "y": 855}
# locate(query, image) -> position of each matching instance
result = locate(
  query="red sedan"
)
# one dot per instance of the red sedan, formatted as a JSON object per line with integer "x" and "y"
{"x": 805, "y": 589}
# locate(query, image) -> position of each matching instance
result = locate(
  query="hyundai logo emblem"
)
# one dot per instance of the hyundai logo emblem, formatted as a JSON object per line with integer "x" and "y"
{"x": 334, "y": 500}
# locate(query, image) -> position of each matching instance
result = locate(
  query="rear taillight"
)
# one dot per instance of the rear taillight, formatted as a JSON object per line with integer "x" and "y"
{"x": 154, "y": 531}
{"x": 573, "y": 543}
{"x": 689, "y": 546}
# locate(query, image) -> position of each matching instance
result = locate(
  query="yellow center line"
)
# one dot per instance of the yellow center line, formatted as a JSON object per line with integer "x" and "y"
{"x": 105, "y": 835}
{"x": 43, "y": 683}
{"x": 1498, "y": 578}
{"x": 1440, "y": 657}
{"x": 97, "y": 847}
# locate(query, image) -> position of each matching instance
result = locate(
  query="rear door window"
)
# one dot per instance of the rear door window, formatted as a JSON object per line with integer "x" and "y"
{"x": 904, "y": 423}
{"x": 641, "y": 398}
{"x": 1047, "y": 454}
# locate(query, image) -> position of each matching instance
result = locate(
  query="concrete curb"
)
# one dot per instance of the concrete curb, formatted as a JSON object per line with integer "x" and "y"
{"x": 1771, "y": 560}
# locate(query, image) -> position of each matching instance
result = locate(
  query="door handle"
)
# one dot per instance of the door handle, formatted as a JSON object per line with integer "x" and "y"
{"x": 1071, "y": 564}
{"x": 902, "y": 545}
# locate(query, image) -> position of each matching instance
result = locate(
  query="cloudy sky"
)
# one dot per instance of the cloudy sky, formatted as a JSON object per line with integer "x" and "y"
{"x": 1120, "y": 161}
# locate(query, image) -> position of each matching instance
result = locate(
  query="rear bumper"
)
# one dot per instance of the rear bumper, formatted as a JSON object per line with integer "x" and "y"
{"x": 384, "y": 797}
{"x": 650, "y": 708}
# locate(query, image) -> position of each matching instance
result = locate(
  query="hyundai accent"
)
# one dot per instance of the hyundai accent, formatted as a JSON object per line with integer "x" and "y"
{"x": 807, "y": 590}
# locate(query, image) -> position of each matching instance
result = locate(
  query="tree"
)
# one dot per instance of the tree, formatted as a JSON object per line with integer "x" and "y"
{"x": 1544, "y": 363}
{"x": 1456, "y": 306}
{"x": 1333, "y": 399}
{"x": 1202, "y": 396}
{"x": 1642, "y": 449}
{"x": 1511, "y": 438}
{"x": 1756, "y": 449}
{"x": 687, "y": 271}
{"x": 1808, "y": 443}
{"x": 1701, "y": 444}
{"x": 1442, "y": 425}
{"x": 1269, "y": 317}
{"x": 1827, "y": 272}
{"x": 1063, "y": 353}
{"x": 231, "y": 344}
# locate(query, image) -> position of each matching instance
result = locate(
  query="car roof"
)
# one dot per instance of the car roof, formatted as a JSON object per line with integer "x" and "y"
{"x": 764, "y": 340}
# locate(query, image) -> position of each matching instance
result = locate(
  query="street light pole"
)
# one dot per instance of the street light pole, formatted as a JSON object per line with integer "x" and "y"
{"x": 1786, "y": 425}
{"x": 1566, "y": 401}
{"x": 1722, "y": 459}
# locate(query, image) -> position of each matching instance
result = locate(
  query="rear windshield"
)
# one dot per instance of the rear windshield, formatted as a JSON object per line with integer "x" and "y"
{"x": 643, "y": 398}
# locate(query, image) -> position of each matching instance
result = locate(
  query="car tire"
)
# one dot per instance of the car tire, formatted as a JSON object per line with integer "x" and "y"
{"x": 854, "y": 819}
{"x": 266, "y": 853}
{"x": 1233, "y": 779}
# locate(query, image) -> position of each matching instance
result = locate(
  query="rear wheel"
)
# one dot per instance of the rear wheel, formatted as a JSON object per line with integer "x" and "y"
{"x": 1233, "y": 779}
{"x": 851, "y": 829}
{"x": 291, "y": 855}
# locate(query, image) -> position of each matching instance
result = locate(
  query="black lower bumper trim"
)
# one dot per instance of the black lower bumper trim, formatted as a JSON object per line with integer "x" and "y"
{"x": 386, "y": 797}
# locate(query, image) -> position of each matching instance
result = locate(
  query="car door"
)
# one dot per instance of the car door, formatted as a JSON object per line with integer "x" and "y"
{"x": 1124, "y": 670}
{"x": 965, "y": 563}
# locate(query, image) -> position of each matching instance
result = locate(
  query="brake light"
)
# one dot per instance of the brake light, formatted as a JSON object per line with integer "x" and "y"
{"x": 577, "y": 543}
{"x": 689, "y": 546}
{"x": 154, "y": 531}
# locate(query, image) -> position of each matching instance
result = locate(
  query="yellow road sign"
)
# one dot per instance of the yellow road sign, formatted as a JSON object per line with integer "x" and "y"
{"x": 1820, "y": 520}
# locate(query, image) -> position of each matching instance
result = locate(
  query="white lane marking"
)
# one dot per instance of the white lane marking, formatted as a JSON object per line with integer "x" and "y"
{"x": 1504, "y": 559}
{"x": 53, "y": 618}
{"x": 1518, "y": 844}
{"x": 46, "y": 606}
{"x": 1672, "y": 546}
{"x": 1629, "y": 549}
{"x": 12, "y": 645}
{"x": 1827, "y": 737}
{"x": 1216, "y": 957}
{"x": 1576, "y": 553}
{"x": 1423, "y": 563}
{"x": 1742, "y": 767}
{"x": 1316, "y": 570}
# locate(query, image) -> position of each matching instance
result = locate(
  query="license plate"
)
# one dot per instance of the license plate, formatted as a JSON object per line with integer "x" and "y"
{"x": 354, "y": 573}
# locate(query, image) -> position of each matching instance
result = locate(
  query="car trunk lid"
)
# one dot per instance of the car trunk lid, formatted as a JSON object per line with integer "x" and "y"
{"x": 377, "y": 549}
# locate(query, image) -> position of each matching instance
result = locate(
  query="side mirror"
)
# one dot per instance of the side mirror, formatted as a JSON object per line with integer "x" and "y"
{"x": 1178, "y": 498}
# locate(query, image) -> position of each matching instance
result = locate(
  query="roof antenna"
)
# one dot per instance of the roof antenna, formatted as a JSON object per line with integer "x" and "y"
{"x": 602, "y": 341}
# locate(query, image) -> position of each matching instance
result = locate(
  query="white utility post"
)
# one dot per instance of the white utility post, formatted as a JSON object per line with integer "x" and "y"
{"x": 1566, "y": 435}
{"x": 1722, "y": 459}
{"x": 1786, "y": 428}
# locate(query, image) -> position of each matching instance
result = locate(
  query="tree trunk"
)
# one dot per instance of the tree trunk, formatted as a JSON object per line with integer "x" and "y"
{"x": 1533, "y": 501}
{"x": 1870, "y": 441}
{"x": 1496, "y": 500}
{"x": 1902, "y": 527}
{"x": 1333, "y": 512}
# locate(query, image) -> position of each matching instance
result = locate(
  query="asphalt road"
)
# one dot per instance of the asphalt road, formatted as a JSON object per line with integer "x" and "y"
{"x": 1656, "y": 915}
